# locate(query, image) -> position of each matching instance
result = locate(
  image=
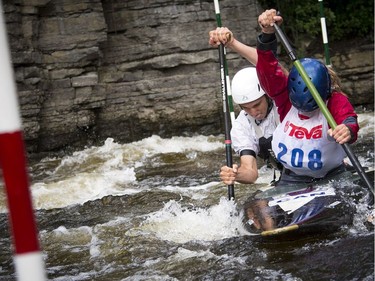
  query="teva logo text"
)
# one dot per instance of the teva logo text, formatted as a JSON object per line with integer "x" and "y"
{"x": 301, "y": 132}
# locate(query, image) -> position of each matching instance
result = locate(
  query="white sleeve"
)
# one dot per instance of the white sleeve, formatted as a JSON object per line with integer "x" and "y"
{"x": 243, "y": 135}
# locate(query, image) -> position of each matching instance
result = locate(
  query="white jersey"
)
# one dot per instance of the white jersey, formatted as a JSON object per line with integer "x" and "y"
{"x": 304, "y": 146}
{"x": 245, "y": 132}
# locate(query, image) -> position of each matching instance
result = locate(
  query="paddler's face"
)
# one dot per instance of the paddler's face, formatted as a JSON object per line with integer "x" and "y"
{"x": 256, "y": 109}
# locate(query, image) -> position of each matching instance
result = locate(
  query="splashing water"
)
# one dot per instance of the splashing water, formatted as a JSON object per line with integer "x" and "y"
{"x": 182, "y": 224}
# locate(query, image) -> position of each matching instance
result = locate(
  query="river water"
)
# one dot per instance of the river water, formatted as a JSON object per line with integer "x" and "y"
{"x": 156, "y": 210}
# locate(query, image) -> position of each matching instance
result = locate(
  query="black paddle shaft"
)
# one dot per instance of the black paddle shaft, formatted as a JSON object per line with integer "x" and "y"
{"x": 324, "y": 109}
{"x": 228, "y": 141}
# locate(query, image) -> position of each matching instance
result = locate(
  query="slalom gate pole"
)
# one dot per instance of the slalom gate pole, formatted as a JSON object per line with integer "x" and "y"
{"x": 322, "y": 106}
{"x": 224, "y": 92}
{"x": 28, "y": 261}
{"x": 324, "y": 33}
{"x": 230, "y": 99}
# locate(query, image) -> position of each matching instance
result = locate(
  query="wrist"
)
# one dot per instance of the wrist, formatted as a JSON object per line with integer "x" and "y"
{"x": 350, "y": 132}
{"x": 270, "y": 45}
{"x": 231, "y": 43}
{"x": 267, "y": 37}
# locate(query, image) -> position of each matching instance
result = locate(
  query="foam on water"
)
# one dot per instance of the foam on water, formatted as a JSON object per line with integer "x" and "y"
{"x": 181, "y": 224}
{"x": 192, "y": 191}
{"x": 96, "y": 172}
{"x": 109, "y": 169}
{"x": 366, "y": 124}
{"x": 82, "y": 188}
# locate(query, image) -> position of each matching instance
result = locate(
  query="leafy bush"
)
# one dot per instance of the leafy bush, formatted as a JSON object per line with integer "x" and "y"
{"x": 345, "y": 19}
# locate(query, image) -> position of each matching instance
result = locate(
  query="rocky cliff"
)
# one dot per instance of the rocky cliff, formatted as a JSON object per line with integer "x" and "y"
{"x": 90, "y": 69}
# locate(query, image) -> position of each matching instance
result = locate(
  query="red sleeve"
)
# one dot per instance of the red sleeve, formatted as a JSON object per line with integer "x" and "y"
{"x": 273, "y": 81}
{"x": 341, "y": 109}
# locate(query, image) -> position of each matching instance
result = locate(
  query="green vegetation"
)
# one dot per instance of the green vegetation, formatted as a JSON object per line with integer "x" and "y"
{"x": 345, "y": 19}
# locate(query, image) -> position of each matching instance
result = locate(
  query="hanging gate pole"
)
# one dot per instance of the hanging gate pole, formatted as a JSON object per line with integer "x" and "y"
{"x": 27, "y": 257}
{"x": 324, "y": 33}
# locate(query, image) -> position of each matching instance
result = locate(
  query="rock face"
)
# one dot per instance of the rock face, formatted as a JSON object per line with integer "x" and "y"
{"x": 89, "y": 69}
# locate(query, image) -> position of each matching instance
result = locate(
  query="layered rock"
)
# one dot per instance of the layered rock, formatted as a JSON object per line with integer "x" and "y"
{"x": 90, "y": 69}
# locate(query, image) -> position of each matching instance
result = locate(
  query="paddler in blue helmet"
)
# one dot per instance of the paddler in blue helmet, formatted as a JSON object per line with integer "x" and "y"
{"x": 303, "y": 142}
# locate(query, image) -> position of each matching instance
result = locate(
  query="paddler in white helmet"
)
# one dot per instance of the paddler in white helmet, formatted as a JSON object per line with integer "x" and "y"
{"x": 252, "y": 130}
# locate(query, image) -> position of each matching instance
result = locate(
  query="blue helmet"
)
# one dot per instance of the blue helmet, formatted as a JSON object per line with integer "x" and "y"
{"x": 299, "y": 94}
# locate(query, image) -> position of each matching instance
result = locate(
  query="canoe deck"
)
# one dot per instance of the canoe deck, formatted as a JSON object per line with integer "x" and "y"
{"x": 317, "y": 207}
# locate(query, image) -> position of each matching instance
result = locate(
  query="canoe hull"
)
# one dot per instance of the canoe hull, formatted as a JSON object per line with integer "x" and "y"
{"x": 315, "y": 208}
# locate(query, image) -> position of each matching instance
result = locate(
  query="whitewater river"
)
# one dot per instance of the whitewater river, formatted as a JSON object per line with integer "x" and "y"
{"x": 156, "y": 210}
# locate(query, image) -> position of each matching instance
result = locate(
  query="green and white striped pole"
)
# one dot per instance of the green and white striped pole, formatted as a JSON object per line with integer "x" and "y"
{"x": 324, "y": 33}
{"x": 230, "y": 99}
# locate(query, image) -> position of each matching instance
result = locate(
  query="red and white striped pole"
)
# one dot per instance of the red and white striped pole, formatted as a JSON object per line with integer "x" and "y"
{"x": 28, "y": 260}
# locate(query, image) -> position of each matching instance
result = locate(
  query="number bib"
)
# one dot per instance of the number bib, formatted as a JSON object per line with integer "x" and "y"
{"x": 304, "y": 147}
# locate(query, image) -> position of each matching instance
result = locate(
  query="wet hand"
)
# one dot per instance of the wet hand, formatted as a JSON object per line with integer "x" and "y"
{"x": 341, "y": 134}
{"x": 267, "y": 19}
{"x": 220, "y": 35}
{"x": 228, "y": 175}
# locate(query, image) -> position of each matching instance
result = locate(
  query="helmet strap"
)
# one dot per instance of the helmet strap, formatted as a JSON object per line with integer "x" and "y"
{"x": 270, "y": 105}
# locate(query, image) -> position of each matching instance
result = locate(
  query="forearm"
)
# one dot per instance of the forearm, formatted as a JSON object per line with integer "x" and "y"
{"x": 343, "y": 113}
{"x": 247, "y": 178}
{"x": 249, "y": 53}
{"x": 351, "y": 123}
{"x": 247, "y": 173}
{"x": 267, "y": 42}
{"x": 274, "y": 81}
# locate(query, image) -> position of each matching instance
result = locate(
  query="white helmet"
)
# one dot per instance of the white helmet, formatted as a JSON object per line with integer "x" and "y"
{"x": 245, "y": 86}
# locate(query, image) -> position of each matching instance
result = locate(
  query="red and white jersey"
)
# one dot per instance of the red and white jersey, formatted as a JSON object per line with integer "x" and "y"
{"x": 275, "y": 83}
{"x": 303, "y": 145}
